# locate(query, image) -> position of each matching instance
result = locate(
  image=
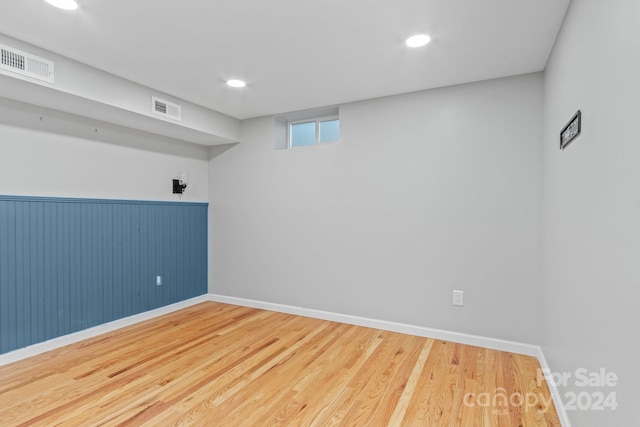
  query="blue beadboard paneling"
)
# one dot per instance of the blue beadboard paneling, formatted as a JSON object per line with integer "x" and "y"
{"x": 70, "y": 264}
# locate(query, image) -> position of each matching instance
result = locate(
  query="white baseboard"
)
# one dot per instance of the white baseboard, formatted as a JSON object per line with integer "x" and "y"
{"x": 84, "y": 334}
{"x": 555, "y": 393}
{"x": 475, "y": 340}
{"x": 421, "y": 331}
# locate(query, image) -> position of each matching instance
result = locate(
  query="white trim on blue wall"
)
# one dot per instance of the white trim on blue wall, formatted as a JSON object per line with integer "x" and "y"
{"x": 55, "y": 343}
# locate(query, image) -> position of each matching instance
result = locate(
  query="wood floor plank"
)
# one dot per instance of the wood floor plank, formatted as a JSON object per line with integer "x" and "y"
{"x": 332, "y": 364}
{"x": 287, "y": 396}
{"x": 403, "y": 403}
{"x": 219, "y": 364}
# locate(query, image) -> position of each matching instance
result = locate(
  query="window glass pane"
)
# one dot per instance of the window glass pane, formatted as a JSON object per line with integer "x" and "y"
{"x": 329, "y": 131}
{"x": 303, "y": 134}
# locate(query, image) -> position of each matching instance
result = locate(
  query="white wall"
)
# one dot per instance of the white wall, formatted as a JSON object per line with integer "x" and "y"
{"x": 592, "y": 202}
{"x": 38, "y": 163}
{"x": 426, "y": 192}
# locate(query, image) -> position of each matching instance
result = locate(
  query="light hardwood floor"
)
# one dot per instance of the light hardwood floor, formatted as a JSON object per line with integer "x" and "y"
{"x": 222, "y": 365}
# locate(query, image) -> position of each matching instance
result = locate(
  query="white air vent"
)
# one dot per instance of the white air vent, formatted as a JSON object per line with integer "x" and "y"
{"x": 23, "y": 63}
{"x": 166, "y": 108}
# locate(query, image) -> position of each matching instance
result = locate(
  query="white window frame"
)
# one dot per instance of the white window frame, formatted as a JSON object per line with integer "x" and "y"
{"x": 317, "y": 121}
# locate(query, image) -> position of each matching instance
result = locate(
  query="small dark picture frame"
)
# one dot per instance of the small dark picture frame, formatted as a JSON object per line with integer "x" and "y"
{"x": 571, "y": 130}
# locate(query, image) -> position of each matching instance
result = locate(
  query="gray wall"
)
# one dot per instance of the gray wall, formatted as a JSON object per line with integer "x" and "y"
{"x": 40, "y": 163}
{"x": 426, "y": 192}
{"x": 592, "y": 202}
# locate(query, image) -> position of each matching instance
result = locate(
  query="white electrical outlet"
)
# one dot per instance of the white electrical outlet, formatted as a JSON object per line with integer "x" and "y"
{"x": 458, "y": 298}
{"x": 158, "y": 280}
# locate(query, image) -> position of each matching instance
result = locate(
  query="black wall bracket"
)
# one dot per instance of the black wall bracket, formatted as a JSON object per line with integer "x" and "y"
{"x": 177, "y": 187}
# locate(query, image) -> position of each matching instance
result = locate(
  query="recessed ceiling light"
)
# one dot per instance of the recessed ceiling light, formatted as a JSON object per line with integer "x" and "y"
{"x": 236, "y": 83}
{"x": 64, "y": 4}
{"x": 418, "y": 40}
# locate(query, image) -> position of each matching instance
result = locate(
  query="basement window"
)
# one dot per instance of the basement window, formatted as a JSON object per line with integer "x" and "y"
{"x": 306, "y": 128}
{"x": 311, "y": 132}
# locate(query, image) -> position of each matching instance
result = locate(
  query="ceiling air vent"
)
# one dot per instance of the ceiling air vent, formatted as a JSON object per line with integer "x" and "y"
{"x": 26, "y": 64}
{"x": 165, "y": 108}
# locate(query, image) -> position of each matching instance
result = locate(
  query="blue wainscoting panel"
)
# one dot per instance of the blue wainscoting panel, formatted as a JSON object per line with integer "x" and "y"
{"x": 70, "y": 264}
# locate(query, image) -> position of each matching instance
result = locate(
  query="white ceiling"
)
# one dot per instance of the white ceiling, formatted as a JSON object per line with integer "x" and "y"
{"x": 294, "y": 54}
